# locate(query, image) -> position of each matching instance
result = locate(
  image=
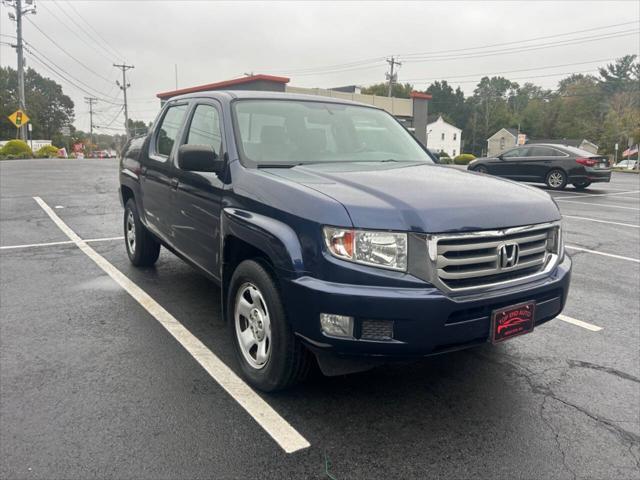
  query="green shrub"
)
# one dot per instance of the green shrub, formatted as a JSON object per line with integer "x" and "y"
{"x": 446, "y": 160}
{"x": 464, "y": 159}
{"x": 18, "y": 148}
{"x": 48, "y": 151}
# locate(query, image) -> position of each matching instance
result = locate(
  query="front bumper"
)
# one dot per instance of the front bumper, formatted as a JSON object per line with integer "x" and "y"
{"x": 425, "y": 320}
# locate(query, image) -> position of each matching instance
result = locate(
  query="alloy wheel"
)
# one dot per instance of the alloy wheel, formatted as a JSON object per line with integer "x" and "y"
{"x": 556, "y": 179}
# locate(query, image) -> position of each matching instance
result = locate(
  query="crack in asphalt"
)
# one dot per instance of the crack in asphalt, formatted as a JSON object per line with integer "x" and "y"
{"x": 602, "y": 368}
{"x": 556, "y": 435}
{"x": 627, "y": 438}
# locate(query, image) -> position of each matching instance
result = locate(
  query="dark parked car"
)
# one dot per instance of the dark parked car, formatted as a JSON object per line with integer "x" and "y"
{"x": 551, "y": 164}
{"x": 333, "y": 236}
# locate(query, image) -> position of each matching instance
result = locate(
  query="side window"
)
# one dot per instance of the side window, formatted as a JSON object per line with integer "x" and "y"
{"x": 168, "y": 130}
{"x": 205, "y": 128}
{"x": 556, "y": 153}
{"x": 516, "y": 152}
{"x": 543, "y": 152}
{"x": 455, "y": 136}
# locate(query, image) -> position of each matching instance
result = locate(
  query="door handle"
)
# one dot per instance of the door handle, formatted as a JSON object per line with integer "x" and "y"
{"x": 174, "y": 183}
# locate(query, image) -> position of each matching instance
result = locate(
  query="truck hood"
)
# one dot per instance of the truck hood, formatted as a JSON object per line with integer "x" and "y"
{"x": 422, "y": 197}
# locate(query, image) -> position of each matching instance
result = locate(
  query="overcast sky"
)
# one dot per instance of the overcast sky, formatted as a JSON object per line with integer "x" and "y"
{"x": 310, "y": 42}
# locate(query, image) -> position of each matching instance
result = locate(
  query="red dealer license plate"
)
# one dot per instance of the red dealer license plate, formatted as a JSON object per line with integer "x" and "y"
{"x": 512, "y": 321}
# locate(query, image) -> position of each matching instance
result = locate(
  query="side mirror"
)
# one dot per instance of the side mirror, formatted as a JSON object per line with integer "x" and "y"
{"x": 199, "y": 158}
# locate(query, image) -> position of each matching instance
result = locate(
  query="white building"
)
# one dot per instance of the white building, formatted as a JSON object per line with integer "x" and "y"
{"x": 444, "y": 137}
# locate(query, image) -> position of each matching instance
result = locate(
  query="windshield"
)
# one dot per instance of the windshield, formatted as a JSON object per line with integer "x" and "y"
{"x": 291, "y": 132}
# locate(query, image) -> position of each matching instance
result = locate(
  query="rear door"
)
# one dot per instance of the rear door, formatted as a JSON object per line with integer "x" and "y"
{"x": 157, "y": 174}
{"x": 540, "y": 160}
{"x": 198, "y": 195}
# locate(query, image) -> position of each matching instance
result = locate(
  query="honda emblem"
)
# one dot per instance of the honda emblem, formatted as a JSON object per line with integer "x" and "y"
{"x": 509, "y": 254}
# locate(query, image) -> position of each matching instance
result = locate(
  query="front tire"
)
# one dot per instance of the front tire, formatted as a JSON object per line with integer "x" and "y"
{"x": 556, "y": 179}
{"x": 481, "y": 169}
{"x": 270, "y": 355}
{"x": 142, "y": 248}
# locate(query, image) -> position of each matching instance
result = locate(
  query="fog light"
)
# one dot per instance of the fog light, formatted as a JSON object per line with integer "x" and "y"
{"x": 336, "y": 325}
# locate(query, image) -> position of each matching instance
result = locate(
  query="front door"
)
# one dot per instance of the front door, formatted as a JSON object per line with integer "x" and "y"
{"x": 510, "y": 163}
{"x": 157, "y": 175}
{"x": 198, "y": 195}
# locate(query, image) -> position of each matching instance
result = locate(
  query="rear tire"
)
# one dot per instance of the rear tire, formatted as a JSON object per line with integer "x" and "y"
{"x": 142, "y": 248}
{"x": 581, "y": 186}
{"x": 556, "y": 179}
{"x": 255, "y": 313}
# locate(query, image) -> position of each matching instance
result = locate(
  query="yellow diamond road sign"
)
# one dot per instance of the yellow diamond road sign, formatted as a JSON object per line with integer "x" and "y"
{"x": 19, "y": 118}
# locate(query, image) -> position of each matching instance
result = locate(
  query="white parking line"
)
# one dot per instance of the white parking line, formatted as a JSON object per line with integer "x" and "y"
{"x": 105, "y": 239}
{"x": 589, "y": 195}
{"x": 601, "y": 221}
{"x": 620, "y": 257}
{"x": 597, "y": 204}
{"x": 280, "y": 430}
{"x": 579, "y": 323}
{"x": 65, "y": 242}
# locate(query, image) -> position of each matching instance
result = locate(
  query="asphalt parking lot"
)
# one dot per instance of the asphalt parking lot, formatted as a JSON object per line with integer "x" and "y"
{"x": 92, "y": 385}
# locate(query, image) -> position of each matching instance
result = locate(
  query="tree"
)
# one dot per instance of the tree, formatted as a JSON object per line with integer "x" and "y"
{"x": 489, "y": 103}
{"x": 620, "y": 76}
{"x": 580, "y": 112}
{"x": 137, "y": 127}
{"x": 447, "y": 102}
{"x": 382, "y": 89}
{"x": 47, "y": 106}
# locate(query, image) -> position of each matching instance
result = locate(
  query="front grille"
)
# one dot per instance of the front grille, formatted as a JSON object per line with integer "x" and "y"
{"x": 471, "y": 260}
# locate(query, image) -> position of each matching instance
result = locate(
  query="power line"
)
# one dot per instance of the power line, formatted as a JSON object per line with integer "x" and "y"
{"x": 448, "y": 77}
{"x": 477, "y": 54}
{"x": 117, "y": 54}
{"x": 74, "y": 31}
{"x": 604, "y": 27}
{"x": 32, "y": 49}
{"x": 367, "y": 63}
{"x": 111, "y": 122}
{"x": 67, "y": 77}
{"x": 68, "y": 54}
{"x": 574, "y": 41}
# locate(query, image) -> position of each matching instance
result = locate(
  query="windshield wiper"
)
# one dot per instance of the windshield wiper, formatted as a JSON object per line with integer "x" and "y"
{"x": 278, "y": 165}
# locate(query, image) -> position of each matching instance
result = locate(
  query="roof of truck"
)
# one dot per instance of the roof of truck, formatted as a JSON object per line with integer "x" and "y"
{"x": 265, "y": 95}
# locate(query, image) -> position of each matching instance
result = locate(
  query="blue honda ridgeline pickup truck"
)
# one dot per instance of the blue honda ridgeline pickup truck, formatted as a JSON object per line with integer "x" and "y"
{"x": 334, "y": 236}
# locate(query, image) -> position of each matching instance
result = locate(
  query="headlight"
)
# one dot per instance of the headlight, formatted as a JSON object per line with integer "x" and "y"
{"x": 380, "y": 249}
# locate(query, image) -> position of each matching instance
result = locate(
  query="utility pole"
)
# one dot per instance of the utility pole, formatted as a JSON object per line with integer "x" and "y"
{"x": 90, "y": 101}
{"x": 123, "y": 87}
{"x": 391, "y": 76}
{"x": 17, "y": 16}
